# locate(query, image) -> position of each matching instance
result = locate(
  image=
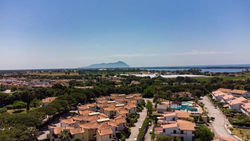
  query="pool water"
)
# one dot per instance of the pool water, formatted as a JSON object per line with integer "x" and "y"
{"x": 183, "y": 107}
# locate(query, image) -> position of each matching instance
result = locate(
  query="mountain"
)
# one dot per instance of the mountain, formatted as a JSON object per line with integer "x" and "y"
{"x": 118, "y": 64}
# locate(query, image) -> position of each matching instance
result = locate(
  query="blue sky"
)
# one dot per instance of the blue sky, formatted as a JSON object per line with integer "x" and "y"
{"x": 62, "y": 33}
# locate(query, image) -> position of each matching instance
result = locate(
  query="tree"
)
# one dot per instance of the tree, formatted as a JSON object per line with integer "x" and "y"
{"x": 19, "y": 104}
{"x": 27, "y": 96}
{"x": 149, "y": 107}
{"x": 64, "y": 135}
{"x": 203, "y": 133}
{"x": 148, "y": 92}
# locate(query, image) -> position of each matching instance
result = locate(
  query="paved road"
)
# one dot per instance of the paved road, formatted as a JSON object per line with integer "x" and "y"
{"x": 147, "y": 135}
{"x": 218, "y": 125}
{"x": 135, "y": 129}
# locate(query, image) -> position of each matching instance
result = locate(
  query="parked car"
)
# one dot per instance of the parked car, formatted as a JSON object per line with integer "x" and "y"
{"x": 151, "y": 131}
{"x": 212, "y": 118}
{"x": 135, "y": 139}
{"x": 149, "y": 123}
{"x": 139, "y": 128}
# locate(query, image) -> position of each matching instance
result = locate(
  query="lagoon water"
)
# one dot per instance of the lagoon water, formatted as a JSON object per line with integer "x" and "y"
{"x": 203, "y": 70}
{"x": 167, "y": 76}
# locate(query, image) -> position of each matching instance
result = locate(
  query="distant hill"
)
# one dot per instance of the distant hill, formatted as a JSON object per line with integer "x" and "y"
{"x": 119, "y": 64}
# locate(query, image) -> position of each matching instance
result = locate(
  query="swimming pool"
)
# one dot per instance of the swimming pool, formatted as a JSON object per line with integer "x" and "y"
{"x": 183, "y": 107}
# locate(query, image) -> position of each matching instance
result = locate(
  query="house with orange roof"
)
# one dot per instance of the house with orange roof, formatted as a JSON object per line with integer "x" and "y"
{"x": 245, "y": 108}
{"x": 77, "y": 133}
{"x": 227, "y": 97}
{"x": 110, "y": 111}
{"x": 236, "y": 103}
{"x": 67, "y": 122}
{"x": 183, "y": 115}
{"x": 239, "y": 93}
{"x": 217, "y": 95}
{"x": 91, "y": 107}
{"x": 225, "y": 90}
{"x": 170, "y": 116}
{"x": 181, "y": 128}
{"x": 105, "y": 132}
{"x": 131, "y": 108}
{"x": 47, "y": 100}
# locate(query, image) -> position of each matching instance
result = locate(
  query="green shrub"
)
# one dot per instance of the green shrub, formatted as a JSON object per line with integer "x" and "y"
{"x": 3, "y": 110}
{"x": 19, "y": 105}
{"x": 142, "y": 130}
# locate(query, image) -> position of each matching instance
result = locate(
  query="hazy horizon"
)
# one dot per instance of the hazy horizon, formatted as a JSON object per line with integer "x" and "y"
{"x": 46, "y": 34}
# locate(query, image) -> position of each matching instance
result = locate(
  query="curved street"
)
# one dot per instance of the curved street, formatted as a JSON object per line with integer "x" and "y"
{"x": 220, "y": 122}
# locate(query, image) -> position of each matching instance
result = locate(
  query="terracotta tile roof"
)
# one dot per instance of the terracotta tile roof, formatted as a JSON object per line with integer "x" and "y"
{"x": 172, "y": 125}
{"x": 246, "y": 106}
{"x": 86, "y": 106}
{"x": 74, "y": 131}
{"x": 225, "y": 139}
{"x": 240, "y": 92}
{"x": 104, "y": 129}
{"x": 239, "y": 100}
{"x": 158, "y": 130}
{"x": 78, "y": 118}
{"x": 165, "y": 102}
{"x": 68, "y": 121}
{"x": 85, "y": 112}
{"x": 130, "y": 106}
{"x": 109, "y": 109}
{"x": 89, "y": 125}
{"x": 58, "y": 130}
{"x": 123, "y": 111}
{"x": 48, "y": 99}
{"x": 224, "y": 90}
{"x": 169, "y": 114}
{"x": 186, "y": 125}
{"x": 227, "y": 96}
{"x": 218, "y": 93}
{"x": 182, "y": 114}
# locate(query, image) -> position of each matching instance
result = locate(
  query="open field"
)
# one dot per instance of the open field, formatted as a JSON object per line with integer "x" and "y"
{"x": 202, "y": 79}
{"x": 244, "y": 134}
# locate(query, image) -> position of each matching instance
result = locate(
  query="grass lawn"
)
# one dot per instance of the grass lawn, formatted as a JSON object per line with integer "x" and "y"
{"x": 244, "y": 134}
{"x": 233, "y": 77}
{"x": 202, "y": 79}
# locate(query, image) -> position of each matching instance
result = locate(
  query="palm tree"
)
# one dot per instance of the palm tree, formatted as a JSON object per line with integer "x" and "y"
{"x": 64, "y": 135}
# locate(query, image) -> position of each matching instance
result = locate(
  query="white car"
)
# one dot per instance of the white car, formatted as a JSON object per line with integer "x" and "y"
{"x": 151, "y": 131}
{"x": 135, "y": 139}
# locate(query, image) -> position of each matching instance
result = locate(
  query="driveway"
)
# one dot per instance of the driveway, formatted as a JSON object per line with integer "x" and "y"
{"x": 135, "y": 129}
{"x": 218, "y": 125}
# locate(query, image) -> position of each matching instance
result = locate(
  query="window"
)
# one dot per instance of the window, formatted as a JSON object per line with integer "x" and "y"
{"x": 182, "y": 132}
{"x": 174, "y": 131}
